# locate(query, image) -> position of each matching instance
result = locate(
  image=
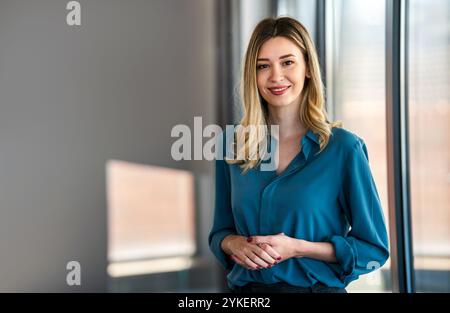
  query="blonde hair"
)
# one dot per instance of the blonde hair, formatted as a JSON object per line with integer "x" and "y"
{"x": 255, "y": 112}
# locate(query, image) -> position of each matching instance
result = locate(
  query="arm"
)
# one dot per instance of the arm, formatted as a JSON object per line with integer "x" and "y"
{"x": 323, "y": 251}
{"x": 289, "y": 247}
{"x": 367, "y": 242}
{"x": 223, "y": 224}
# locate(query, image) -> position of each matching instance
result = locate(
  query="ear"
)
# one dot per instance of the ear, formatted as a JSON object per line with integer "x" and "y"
{"x": 308, "y": 74}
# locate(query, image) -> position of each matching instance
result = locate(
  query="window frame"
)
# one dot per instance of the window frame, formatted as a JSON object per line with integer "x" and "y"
{"x": 402, "y": 262}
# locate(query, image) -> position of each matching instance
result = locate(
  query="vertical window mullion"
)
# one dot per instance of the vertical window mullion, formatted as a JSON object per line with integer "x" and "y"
{"x": 398, "y": 148}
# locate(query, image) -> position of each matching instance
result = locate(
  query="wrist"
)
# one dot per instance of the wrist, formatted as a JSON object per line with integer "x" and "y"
{"x": 302, "y": 248}
{"x": 225, "y": 244}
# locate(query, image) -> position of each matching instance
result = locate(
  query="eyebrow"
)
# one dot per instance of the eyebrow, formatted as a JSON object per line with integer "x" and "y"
{"x": 282, "y": 57}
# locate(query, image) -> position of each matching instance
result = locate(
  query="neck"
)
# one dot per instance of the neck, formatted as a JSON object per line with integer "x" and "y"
{"x": 287, "y": 117}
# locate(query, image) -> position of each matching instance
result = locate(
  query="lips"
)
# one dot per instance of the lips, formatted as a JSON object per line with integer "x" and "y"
{"x": 279, "y": 90}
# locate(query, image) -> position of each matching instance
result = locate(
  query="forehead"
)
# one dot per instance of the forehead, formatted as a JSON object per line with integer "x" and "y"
{"x": 278, "y": 46}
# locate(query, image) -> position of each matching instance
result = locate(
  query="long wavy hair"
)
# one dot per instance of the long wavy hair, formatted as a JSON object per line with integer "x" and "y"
{"x": 312, "y": 112}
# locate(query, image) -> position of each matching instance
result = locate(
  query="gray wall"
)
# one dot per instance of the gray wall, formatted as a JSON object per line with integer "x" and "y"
{"x": 72, "y": 97}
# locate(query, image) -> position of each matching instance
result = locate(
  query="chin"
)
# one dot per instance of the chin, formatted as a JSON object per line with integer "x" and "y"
{"x": 279, "y": 102}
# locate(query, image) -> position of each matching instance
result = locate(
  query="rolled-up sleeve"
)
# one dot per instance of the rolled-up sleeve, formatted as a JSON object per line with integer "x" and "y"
{"x": 223, "y": 223}
{"x": 365, "y": 247}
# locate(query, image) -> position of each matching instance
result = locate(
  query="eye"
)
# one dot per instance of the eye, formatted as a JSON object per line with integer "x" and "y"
{"x": 262, "y": 66}
{"x": 288, "y": 62}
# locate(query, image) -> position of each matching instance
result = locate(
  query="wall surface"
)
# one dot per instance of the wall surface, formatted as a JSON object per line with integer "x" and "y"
{"x": 73, "y": 97}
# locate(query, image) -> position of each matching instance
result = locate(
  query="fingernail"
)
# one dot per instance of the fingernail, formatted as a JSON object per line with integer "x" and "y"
{"x": 249, "y": 239}
{"x": 279, "y": 258}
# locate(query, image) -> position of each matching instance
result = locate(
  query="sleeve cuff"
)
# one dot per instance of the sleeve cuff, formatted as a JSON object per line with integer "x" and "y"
{"x": 345, "y": 257}
{"x": 216, "y": 241}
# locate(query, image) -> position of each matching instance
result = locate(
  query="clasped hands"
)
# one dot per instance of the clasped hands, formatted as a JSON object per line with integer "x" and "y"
{"x": 257, "y": 252}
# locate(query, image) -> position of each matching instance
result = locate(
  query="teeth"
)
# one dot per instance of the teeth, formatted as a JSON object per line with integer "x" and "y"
{"x": 279, "y": 89}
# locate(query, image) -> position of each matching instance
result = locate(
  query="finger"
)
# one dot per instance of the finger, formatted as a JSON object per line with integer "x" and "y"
{"x": 271, "y": 251}
{"x": 238, "y": 261}
{"x": 246, "y": 262}
{"x": 259, "y": 239}
{"x": 253, "y": 261}
{"x": 257, "y": 260}
{"x": 264, "y": 255}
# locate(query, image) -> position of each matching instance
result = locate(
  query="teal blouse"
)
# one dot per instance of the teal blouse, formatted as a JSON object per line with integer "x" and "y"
{"x": 321, "y": 197}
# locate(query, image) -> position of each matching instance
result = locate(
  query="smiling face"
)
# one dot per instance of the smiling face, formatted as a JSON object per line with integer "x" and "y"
{"x": 281, "y": 72}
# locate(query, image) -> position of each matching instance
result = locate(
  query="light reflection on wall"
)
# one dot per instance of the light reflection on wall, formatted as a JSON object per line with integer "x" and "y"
{"x": 150, "y": 212}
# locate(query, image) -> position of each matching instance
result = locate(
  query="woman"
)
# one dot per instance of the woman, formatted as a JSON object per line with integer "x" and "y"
{"x": 288, "y": 229}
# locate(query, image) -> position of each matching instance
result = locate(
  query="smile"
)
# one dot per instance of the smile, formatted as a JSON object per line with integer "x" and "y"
{"x": 277, "y": 91}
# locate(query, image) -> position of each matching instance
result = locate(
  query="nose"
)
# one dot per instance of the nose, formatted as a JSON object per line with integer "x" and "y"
{"x": 276, "y": 74}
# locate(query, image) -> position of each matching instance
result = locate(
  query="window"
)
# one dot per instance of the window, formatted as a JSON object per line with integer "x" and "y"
{"x": 356, "y": 94}
{"x": 429, "y": 141}
{"x": 302, "y": 10}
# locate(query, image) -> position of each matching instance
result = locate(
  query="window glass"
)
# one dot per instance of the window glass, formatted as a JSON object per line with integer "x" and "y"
{"x": 429, "y": 141}
{"x": 356, "y": 88}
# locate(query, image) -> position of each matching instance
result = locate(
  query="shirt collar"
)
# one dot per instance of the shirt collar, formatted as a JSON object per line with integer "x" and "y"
{"x": 312, "y": 136}
{"x": 308, "y": 141}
